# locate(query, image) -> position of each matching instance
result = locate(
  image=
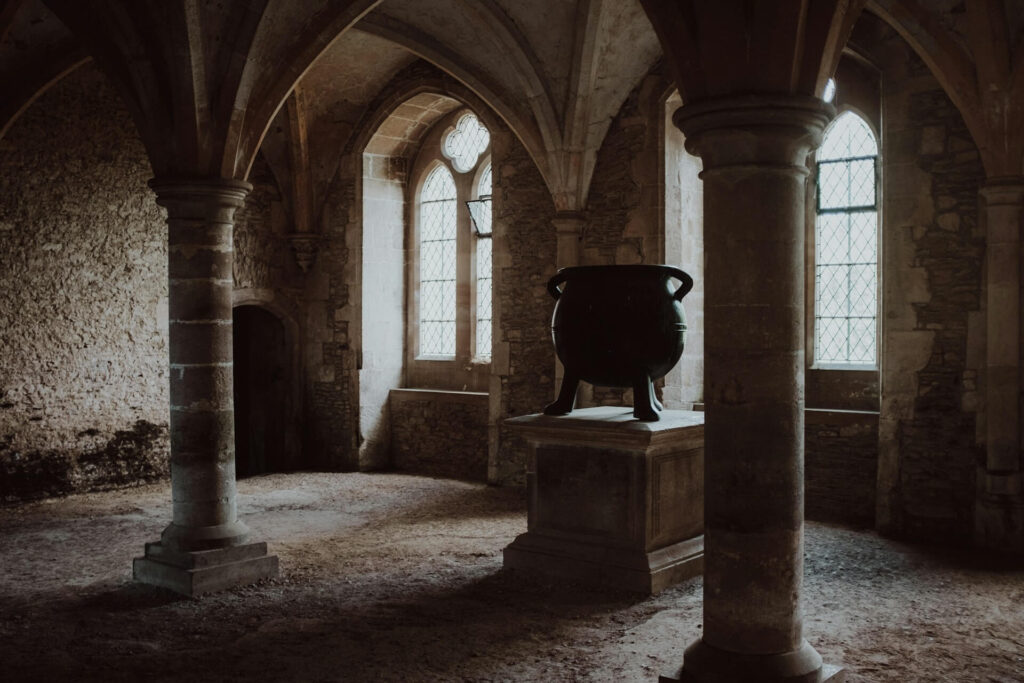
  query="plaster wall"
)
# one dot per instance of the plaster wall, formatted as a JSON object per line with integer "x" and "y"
{"x": 383, "y": 319}
{"x": 83, "y": 272}
{"x": 684, "y": 246}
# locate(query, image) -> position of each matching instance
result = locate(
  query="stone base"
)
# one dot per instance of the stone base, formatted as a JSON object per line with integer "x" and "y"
{"x": 703, "y": 663}
{"x": 611, "y": 567}
{"x": 613, "y": 501}
{"x": 828, "y": 674}
{"x": 204, "y": 571}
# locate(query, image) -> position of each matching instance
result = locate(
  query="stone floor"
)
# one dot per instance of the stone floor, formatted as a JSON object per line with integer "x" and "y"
{"x": 393, "y": 577}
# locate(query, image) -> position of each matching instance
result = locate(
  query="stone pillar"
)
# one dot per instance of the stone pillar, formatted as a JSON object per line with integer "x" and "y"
{"x": 999, "y": 517}
{"x": 569, "y": 233}
{"x": 200, "y": 217}
{"x": 754, "y": 151}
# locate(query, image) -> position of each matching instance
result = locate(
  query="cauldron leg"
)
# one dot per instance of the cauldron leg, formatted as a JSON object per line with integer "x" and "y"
{"x": 566, "y": 396}
{"x": 644, "y": 401}
{"x": 654, "y": 399}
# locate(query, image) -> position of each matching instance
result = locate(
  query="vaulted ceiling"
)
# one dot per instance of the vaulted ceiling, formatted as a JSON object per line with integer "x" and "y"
{"x": 206, "y": 80}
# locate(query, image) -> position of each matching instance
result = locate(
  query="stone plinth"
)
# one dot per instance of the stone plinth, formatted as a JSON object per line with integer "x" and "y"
{"x": 204, "y": 571}
{"x": 613, "y": 501}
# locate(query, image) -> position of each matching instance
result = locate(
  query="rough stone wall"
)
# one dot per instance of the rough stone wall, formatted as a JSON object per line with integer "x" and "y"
{"x": 615, "y": 233}
{"x": 932, "y": 250}
{"x": 840, "y": 466}
{"x": 938, "y": 447}
{"x": 522, "y": 369}
{"x": 263, "y": 259}
{"x": 83, "y": 271}
{"x": 439, "y": 433}
{"x": 333, "y": 397}
{"x": 267, "y": 275}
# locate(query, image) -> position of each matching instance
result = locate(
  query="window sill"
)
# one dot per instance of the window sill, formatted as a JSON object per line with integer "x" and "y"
{"x": 846, "y": 367}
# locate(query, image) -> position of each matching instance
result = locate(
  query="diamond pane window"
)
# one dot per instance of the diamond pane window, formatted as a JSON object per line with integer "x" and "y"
{"x": 483, "y": 266}
{"x": 437, "y": 264}
{"x": 846, "y": 245}
{"x": 483, "y": 298}
{"x": 466, "y": 143}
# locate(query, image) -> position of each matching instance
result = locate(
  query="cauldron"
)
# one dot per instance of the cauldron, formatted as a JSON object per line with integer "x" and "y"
{"x": 617, "y": 326}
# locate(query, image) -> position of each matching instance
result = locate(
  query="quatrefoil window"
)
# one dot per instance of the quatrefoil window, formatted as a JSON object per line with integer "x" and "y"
{"x": 466, "y": 142}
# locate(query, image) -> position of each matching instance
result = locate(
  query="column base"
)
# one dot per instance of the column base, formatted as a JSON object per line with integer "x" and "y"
{"x": 204, "y": 571}
{"x": 607, "y": 566}
{"x": 703, "y": 663}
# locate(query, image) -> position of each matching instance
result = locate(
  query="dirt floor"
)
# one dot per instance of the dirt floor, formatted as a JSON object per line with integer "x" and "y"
{"x": 394, "y": 577}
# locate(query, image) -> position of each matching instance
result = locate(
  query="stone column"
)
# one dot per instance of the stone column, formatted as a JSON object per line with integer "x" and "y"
{"x": 200, "y": 217}
{"x": 569, "y": 233}
{"x": 999, "y": 518}
{"x": 754, "y": 151}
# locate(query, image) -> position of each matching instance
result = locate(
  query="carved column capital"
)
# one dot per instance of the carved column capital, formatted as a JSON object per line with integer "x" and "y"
{"x": 1003, "y": 191}
{"x": 213, "y": 199}
{"x": 753, "y": 130}
{"x": 305, "y": 247}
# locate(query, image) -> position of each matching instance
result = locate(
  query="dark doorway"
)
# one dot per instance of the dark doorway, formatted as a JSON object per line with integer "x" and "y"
{"x": 261, "y": 392}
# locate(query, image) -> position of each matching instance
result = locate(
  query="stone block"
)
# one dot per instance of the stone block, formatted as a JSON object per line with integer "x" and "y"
{"x": 204, "y": 571}
{"x": 613, "y": 501}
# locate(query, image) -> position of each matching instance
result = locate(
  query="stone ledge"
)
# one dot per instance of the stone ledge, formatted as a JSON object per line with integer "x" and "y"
{"x": 613, "y": 428}
{"x": 406, "y": 394}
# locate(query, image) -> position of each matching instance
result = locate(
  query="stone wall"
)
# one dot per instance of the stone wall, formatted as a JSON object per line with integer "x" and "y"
{"x": 83, "y": 271}
{"x": 267, "y": 275}
{"x": 263, "y": 259}
{"x": 840, "y": 465}
{"x": 645, "y": 206}
{"x": 439, "y": 433}
{"x": 332, "y": 418}
{"x": 932, "y": 330}
{"x": 523, "y": 365}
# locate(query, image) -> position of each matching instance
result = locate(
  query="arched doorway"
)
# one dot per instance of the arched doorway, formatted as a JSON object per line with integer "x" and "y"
{"x": 261, "y": 391}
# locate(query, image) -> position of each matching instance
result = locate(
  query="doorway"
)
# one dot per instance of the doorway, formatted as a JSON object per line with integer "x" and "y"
{"x": 261, "y": 391}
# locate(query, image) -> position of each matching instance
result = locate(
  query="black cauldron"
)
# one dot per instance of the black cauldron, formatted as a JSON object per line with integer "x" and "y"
{"x": 617, "y": 326}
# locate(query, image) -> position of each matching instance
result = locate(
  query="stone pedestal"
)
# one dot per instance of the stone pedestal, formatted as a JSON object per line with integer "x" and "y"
{"x": 613, "y": 501}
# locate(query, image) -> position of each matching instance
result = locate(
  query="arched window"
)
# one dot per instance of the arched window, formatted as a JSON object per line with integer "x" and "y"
{"x": 452, "y": 275}
{"x": 438, "y": 205}
{"x": 846, "y": 245}
{"x": 480, "y": 212}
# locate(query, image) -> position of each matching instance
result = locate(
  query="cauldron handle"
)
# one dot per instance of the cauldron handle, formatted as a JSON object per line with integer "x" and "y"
{"x": 684, "y": 288}
{"x": 558, "y": 278}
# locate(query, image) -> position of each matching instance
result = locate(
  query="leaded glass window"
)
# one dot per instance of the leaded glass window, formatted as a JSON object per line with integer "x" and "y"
{"x": 846, "y": 245}
{"x": 451, "y": 305}
{"x": 437, "y": 264}
{"x": 466, "y": 142}
{"x": 482, "y": 217}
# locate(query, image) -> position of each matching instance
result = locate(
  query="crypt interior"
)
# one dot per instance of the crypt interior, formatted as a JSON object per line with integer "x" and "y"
{"x": 274, "y": 282}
